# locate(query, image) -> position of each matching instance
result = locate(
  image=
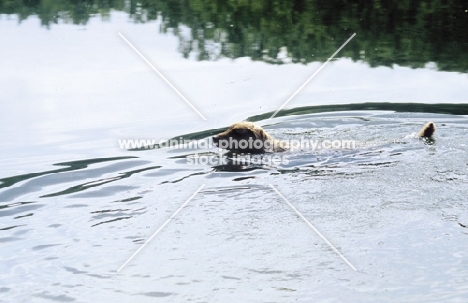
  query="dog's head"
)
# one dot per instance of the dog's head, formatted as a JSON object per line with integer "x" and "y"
{"x": 428, "y": 130}
{"x": 243, "y": 137}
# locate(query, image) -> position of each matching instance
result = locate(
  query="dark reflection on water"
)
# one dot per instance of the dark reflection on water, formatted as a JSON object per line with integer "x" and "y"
{"x": 100, "y": 182}
{"x": 407, "y": 33}
{"x": 72, "y": 166}
{"x": 75, "y": 172}
{"x": 453, "y": 109}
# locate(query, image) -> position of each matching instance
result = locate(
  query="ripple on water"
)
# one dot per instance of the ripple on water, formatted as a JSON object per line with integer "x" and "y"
{"x": 394, "y": 206}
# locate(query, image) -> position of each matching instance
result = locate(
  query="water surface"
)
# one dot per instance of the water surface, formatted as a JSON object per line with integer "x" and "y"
{"x": 74, "y": 206}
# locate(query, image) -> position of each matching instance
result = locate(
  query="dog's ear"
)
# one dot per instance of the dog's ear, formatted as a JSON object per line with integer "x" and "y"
{"x": 260, "y": 134}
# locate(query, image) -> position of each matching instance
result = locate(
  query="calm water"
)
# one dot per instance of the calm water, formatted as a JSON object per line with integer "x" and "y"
{"x": 74, "y": 206}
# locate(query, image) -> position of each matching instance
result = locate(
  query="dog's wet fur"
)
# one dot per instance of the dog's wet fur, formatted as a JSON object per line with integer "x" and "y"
{"x": 427, "y": 131}
{"x": 249, "y": 131}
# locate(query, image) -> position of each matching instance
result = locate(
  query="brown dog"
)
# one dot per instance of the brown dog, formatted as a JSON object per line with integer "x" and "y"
{"x": 427, "y": 131}
{"x": 246, "y": 137}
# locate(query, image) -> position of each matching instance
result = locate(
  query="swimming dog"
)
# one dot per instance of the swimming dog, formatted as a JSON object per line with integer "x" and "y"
{"x": 246, "y": 137}
{"x": 427, "y": 131}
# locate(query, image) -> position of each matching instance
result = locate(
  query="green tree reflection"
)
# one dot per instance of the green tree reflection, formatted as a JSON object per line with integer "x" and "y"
{"x": 408, "y": 32}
